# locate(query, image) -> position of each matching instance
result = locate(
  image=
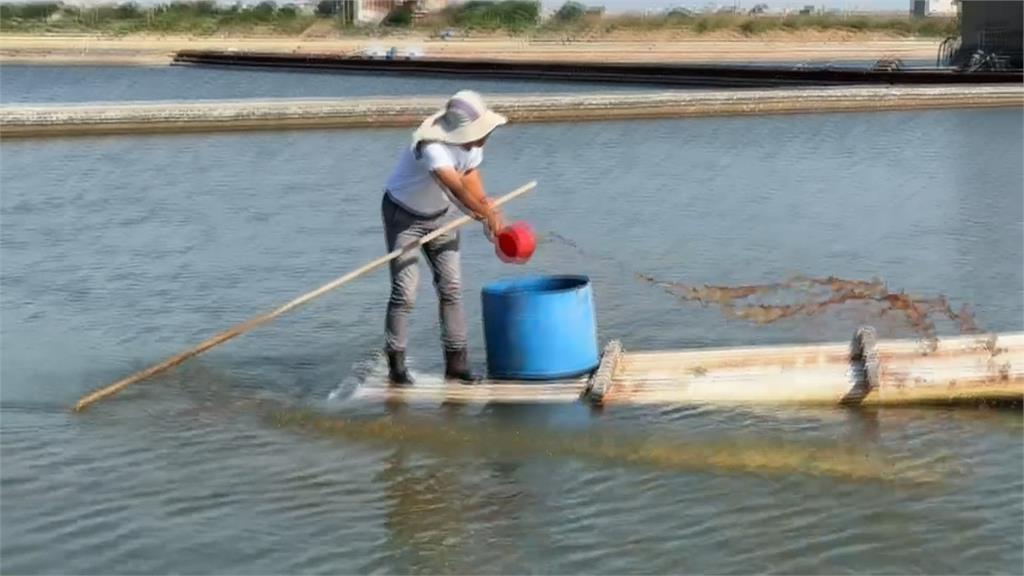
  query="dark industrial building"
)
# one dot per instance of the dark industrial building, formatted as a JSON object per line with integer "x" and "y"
{"x": 991, "y": 35}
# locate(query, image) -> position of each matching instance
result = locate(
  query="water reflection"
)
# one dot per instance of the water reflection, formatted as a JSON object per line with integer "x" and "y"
{"x": 425, "y": 518}
{"x": 761, "y": 456}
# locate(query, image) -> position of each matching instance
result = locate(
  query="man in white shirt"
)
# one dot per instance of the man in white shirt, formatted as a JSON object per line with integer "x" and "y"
{"x": 440, "y": 168}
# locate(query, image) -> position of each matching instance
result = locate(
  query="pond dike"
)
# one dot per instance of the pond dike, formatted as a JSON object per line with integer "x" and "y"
{"x": 42, "y": 120}
{"x": 705, "y": 75}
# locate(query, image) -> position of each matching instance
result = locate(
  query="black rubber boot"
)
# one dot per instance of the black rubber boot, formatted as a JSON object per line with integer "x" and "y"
{"x": 456, "y": 366}
{"x": 397, "y": 372}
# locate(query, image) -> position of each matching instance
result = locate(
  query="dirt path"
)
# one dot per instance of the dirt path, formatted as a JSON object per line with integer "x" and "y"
{"x": 158, "y": 50}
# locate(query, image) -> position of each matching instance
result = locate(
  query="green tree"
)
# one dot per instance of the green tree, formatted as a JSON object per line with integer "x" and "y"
{"x": 509, "y": 14}
{"x": 398, "y": 17}
{"x": 327, "y": 7}
{"x": 571, "y": 12}
{"x": 265, "y": 10}
{"x": 127, "y": 11}
{"x": 29, "y": 11}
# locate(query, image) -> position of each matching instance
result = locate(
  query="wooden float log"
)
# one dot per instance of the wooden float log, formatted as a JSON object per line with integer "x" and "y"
{"x": 864, "y": 365}
{"x": 825, "y": 384}
{"x": 863, "y": 372}
{"x": 601, "y": 381}
{"x": 674, "y": 362}
{"x": 807, "y": 374}
{"x": 887, "y": 373}
{"x": 992, "y": 344}
{"x": 488, "y": 391}
{"x": 438, "y": 390}
{"x": 987, "y": 367}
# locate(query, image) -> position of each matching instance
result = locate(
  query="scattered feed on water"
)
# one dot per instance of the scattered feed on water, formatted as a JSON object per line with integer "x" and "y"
{"x": 804, "y": 296}
{"x": 818, "y": 295}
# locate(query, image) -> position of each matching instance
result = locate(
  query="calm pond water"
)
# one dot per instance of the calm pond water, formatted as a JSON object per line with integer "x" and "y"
{"x": 27, "y": 84}
{"x": 22, "y": 84}
{"x": 117, "y": 252}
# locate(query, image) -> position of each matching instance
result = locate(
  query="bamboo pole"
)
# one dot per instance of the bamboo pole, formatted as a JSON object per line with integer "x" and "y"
{"x": 239, "y": 329}
{"x": 436, "y": 390}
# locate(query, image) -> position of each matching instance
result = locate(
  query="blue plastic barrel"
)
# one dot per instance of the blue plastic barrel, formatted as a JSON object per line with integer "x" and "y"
{"x": 540, "y": 328}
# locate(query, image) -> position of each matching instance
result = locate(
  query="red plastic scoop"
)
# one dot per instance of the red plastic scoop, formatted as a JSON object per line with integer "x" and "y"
{"x": 515, "y": 243}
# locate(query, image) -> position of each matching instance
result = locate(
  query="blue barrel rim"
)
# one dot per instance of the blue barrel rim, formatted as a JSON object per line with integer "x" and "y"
{"x": 534, "y": 376}
{"x": 536, "y": 284}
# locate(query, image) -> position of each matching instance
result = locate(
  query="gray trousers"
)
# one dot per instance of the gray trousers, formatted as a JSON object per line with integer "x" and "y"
{"x": 400, "y": 228}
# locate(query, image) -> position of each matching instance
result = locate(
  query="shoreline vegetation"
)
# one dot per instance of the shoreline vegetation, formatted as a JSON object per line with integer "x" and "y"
{"x": 159, "y": 50}
{"x": 127, "y": 34}
{"x": 572, "y": 22}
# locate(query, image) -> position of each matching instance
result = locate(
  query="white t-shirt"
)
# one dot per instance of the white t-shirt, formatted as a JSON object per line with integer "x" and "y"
{"x": 413, "y": 187}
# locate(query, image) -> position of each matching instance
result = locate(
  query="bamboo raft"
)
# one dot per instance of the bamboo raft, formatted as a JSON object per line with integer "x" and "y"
{"x": 866, "y": 371}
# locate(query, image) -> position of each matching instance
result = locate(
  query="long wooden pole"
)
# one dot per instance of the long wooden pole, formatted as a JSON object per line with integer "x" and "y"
{"x": 230, "y": 333}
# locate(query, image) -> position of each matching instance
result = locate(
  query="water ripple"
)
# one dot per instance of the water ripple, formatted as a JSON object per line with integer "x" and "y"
{"x": 253, "y": 459}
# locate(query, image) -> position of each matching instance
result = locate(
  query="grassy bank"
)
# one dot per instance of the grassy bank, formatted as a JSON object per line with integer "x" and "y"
{"x": 751, "y": 25}
{"x": 474, "y": 18}
{"x": 199, "y": 18}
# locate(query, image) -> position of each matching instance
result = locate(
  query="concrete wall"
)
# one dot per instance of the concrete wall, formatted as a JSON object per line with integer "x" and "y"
{"x": 433, "y": 5}
{"x": 922, "y": 8}
{"x": 941, "y": 8}
{"x": 373, "y": 11}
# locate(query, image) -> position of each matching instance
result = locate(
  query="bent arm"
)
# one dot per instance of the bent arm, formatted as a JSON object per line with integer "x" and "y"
{"x": 468, "y": 189}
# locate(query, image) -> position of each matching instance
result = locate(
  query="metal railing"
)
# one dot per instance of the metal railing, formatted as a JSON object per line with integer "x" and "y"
{"x": 996, "y": 49}
{"x": 948, "y": 50}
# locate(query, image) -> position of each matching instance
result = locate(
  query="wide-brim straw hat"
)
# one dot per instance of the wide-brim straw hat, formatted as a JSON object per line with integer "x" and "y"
{"x": 464, "y": 119}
